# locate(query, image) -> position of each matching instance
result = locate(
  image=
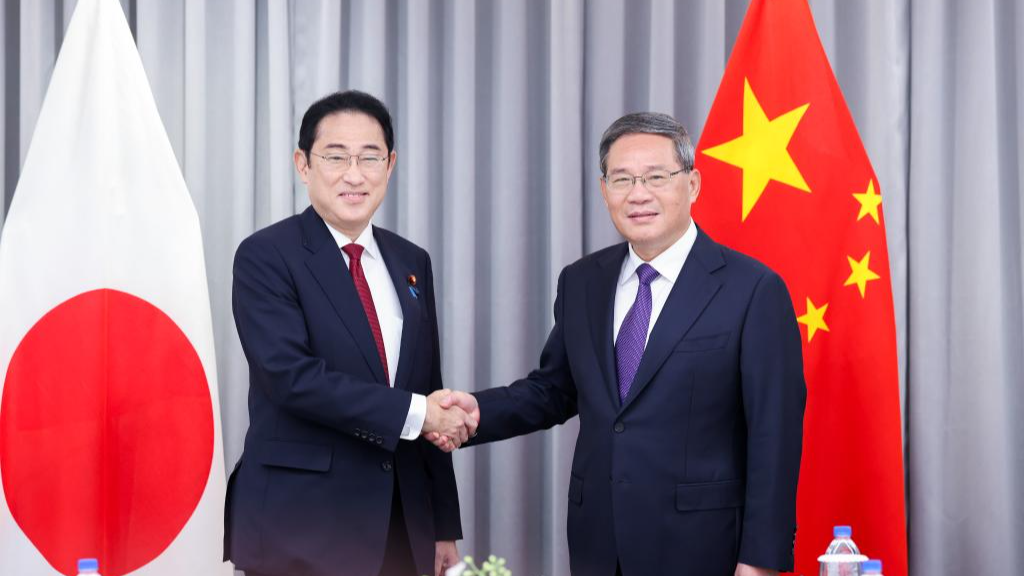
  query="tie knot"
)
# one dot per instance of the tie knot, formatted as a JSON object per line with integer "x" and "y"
{"x": 646, "y": 273}
{"x": 354, "y": 251}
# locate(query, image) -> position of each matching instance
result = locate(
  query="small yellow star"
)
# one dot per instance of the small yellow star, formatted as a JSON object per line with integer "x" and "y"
{"x": 869, "y": 202}
{"x": 860, "y": 274}
{"x": 814, "y": 319}
{"x": 761, "y": 152}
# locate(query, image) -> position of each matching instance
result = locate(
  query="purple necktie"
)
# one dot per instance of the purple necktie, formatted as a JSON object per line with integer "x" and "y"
{"x": 629, "y": 348}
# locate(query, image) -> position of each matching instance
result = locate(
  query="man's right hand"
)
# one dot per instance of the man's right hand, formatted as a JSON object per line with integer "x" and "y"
{"x": 448, "y": 421}
{"x": 453, "y": 400}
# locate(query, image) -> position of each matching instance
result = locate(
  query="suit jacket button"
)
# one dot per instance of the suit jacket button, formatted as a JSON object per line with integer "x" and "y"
{"x": 386, "y": 466}
{"x": 619, "y": 427}
{"x": 380, "y": 440}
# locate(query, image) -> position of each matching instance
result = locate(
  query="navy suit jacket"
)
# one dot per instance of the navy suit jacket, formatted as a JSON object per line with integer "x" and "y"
{"x": 312, "y": 492}
{"x": 697, "y": 468}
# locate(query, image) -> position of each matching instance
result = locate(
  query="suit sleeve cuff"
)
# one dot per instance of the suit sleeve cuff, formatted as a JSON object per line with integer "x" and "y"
{"x": 414, "y": 421}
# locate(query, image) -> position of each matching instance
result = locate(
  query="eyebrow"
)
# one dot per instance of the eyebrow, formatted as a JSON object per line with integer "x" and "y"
{"x": 646, "y": 169}
{"x": 343, "y": 147}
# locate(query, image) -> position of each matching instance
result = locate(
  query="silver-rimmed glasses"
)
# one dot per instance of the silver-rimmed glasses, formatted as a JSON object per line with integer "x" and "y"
{"x": 653, "y": 180}
{"x": 365, "y": 162}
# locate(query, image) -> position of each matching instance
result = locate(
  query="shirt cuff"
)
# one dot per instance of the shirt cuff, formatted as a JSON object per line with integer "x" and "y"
{"x": 414, "y": 421}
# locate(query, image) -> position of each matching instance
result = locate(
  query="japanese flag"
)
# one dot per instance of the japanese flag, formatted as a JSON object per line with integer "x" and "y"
{"x": 109, "y": 420}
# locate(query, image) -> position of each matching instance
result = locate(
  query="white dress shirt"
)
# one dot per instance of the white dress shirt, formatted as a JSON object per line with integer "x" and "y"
{"x": 389, "y": 315}
{"x": 668, "y": 264}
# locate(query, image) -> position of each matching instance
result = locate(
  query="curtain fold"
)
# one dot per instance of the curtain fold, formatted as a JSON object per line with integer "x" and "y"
{"x": 966, "y": 447}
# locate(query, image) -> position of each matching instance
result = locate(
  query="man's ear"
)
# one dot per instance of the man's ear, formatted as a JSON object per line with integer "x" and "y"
{"x": 301, "y": 165}
{"x": 694, "y": 185}
{"x": 392, "y": 158}
{"x": 604, "y": 191}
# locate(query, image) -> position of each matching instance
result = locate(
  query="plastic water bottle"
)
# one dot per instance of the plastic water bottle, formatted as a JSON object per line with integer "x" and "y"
{"x": 872, "y": 567}
{"x": 88, "y": 567}
{"x": 842, "y": 541}
{"x": 842, "y": 558}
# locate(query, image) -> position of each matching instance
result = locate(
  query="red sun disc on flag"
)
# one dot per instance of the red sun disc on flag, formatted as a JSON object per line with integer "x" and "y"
{"x": 106, "y": 432}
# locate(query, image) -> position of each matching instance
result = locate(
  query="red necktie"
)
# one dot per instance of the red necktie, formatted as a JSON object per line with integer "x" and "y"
{"x": 355, "y": 267}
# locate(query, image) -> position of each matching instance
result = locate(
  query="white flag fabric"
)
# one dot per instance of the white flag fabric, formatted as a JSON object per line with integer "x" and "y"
{"x": 110, "y": 436}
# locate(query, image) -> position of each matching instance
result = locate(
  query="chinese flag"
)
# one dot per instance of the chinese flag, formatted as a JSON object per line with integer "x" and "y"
{"x": 786, "y": 180}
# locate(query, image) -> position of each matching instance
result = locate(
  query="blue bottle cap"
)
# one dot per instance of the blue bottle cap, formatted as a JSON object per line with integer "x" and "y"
{"x": 871, "y": 565}
{"x": 842, "y": 532}
{"x": 86, "y": 564}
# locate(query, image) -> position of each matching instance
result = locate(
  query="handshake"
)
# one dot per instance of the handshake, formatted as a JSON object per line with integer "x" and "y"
{"x": 452, "y": 419}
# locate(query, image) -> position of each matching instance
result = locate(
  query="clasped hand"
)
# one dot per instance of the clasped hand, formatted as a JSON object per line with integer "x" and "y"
{"x": 452, "y": 419}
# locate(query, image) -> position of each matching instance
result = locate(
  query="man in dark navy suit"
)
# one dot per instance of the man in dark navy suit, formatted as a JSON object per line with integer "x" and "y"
{"x": 682, "y": 358}
{"x": 338, "y": 324}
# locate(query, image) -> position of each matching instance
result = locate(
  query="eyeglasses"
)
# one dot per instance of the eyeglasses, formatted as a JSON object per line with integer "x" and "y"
{"x": 366, "y": 162}
{"x": 653, "y": 180}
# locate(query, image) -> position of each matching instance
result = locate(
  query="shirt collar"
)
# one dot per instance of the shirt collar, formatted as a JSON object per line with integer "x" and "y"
{"x": 365, "y": 239}
{"x": 668, "y": 264}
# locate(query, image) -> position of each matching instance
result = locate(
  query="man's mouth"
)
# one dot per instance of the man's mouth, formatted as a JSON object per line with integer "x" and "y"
{"x": 642, "y": 216}
{"x": 353, "y": 196}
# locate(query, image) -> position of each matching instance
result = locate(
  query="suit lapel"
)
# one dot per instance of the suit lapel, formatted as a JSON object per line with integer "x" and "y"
{"x": 693, "y": 290}
{"x": 601, "y": 310}
{"x": 399, "y": 269}
{"x": 328, "y": 267}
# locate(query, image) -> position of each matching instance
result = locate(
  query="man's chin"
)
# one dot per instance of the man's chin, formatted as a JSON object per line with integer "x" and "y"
{"x": 641, "y": 236}
{"x": 348, "y": 223}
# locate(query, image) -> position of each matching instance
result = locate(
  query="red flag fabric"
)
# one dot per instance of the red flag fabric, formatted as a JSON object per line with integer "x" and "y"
{"x": 110, "y": 436}
{"x": 786, "y": 180}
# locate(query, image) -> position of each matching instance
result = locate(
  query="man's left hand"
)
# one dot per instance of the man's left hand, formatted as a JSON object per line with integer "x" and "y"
{"x": 446, "y": 555}
{"x": 747, "y": 570}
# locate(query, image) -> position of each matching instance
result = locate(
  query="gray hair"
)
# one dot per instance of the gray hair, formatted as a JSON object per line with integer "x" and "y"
{"x": 649, "y": 123}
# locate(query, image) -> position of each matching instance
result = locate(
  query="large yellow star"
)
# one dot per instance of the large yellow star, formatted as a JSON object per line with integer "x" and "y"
{"x": 761, "y": 151}
{"x": 814, "y": 319}
{"x": 869, "y": 202}
{"x": 860, "y": 274}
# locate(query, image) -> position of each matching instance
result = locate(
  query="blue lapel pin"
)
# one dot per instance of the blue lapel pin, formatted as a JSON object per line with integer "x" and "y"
{"x": 411, "y": 280}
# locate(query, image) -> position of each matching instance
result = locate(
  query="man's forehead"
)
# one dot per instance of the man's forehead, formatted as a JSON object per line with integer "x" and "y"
{"x": 349, "y": 129}
{"x": 652, "y": 150}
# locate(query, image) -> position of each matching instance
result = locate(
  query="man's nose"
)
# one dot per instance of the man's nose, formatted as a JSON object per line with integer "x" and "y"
{"x": 353, "y": 174}
{"x": 639, "y": 194}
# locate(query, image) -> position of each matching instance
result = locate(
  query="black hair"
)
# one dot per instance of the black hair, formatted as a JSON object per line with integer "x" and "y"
{"x": 347, "y": 101}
